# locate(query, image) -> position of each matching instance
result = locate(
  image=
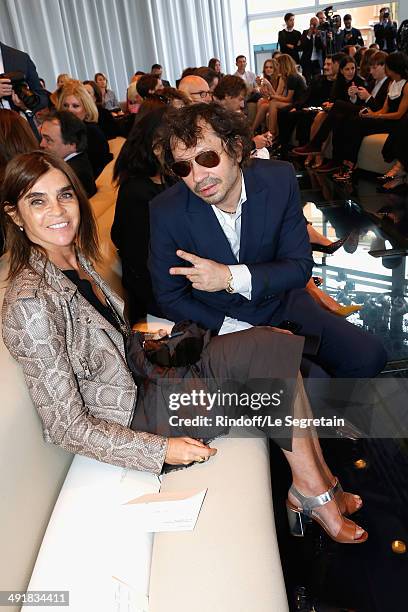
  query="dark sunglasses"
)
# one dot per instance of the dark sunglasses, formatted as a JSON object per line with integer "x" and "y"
{"x": 207, "y": 159}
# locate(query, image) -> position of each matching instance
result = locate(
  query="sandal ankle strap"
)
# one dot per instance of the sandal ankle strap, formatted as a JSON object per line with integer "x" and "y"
{"x": 309, "y": 503}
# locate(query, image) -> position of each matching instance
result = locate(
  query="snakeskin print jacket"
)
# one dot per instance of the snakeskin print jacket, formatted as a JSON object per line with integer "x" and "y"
{"x": 75, "y": 367}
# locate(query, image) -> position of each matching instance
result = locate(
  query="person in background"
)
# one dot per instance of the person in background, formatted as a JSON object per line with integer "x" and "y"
{"x": 248, "y": 76}
{"x": 385, "y": 31}
{"x": 15, "y": 137}
{"x": 312, "y": 47}
{"x": 208, "y": 75}
{"x": 138, "y": 175}
{"x": 106, "y": 121}
{"x": 289, "y": 38}
{"x": 215, "y": 64}
{"x": 75, "y": 98}
{"x": 147, "y": 85}
{"x": 351, "y": 36}
{"x": 269, "y": 83}
{"x": 173, "y": 97}
{"x": 294, "y": 90}
{"x": 61, "y": 79}
{"x": 195, "y": 88}
{"x": 157, "y": 70}
{"x": 64, "y": 135}
{"x": 109, "y": 100}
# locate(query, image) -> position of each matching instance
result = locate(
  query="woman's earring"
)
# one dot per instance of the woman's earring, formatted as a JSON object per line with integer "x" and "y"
{"x": 21, "y": 228}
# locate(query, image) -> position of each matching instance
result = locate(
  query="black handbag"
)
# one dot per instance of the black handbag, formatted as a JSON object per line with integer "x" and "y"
{"x": 170, "y": 357}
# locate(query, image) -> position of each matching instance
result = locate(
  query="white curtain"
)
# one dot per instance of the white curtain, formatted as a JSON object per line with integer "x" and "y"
{"x": 118, "y": 37}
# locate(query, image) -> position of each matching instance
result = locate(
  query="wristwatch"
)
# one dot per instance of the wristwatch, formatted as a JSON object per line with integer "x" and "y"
{"x": 230, "y": 285}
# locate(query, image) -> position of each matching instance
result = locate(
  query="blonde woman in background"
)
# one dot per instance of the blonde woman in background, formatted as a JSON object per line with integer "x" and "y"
{"x": 76, "y": 99}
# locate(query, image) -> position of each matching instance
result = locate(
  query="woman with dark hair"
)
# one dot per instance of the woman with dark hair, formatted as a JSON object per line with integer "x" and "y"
{"x": 347, "y": 80}
{"x": 105, "y": 119}
{"x": 137, "y": 173}
{"x": 109, "y": 100}
{"x": 16, "y": 137}
{"x": 382, "y": 121}
{"x": 215, "y": 64}
{"x": 66, "y": 329}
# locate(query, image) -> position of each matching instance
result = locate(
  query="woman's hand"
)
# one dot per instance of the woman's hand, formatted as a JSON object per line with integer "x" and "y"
{"x": 362, "y": 93}
{"x": 182, "y": 451}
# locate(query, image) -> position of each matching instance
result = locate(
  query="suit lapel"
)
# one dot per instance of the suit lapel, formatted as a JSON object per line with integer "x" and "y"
{"x": 206, "y": 232}
{"x": 253, "y": 218}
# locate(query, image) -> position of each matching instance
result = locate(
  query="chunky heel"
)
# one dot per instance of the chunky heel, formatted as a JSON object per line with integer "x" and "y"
{"x": 297, "y": 521}
{"x": 307, "y": 510}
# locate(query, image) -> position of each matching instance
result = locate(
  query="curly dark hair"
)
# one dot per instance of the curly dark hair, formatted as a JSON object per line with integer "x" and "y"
{"x": 230, "y": 85}
{"x": 185, "y": 124}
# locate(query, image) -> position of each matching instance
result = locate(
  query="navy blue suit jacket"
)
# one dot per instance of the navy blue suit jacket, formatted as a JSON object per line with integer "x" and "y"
{"x": 13, "y": 60}
{"x": 274, "y": 245}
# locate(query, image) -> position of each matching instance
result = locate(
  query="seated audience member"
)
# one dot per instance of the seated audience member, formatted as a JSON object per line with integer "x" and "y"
{"x": 208, "y": 75}
{"x": 248, "y": 76}
{"x": 105, "y": 119}
{"x": 372, "y": 98}
{"x": 94, "y": 413}
{"x": 254, "y": 278}
{"x": 351, "y": 36}
{"x": 186, "y": 72}
{"x": 312, "y": 47}
{"x": 147, "y": 85}
{"x": 76, "y": 99}
{"x": 364, "y": 66}
{"x": 230, "y": 94}
{"x": 133, "y": 98}
{"x": 109, "y": 100}
{"x": 317, "y": 94}
{"x": 294, "y": 88}
{"x": 385, "y": 31}
{"x": 137, "y": 74}
{"x": 61, "y": 79}
{"x": 65, "y": 135}
{"x": 382, "y": 121}
{"x": 16, "y": 137}
{"x": 350, "y": 50}
{"x": 157, "y": 70}
{"x": 215, "y": 64}
{"x": 289, "y": 38}
{"x": 396, "y": 150}
{"x": 138, "y": 174}
{"x": 173, "y": 97}
{"x": 270, "y": 82}
{"x": 195, "y": 88}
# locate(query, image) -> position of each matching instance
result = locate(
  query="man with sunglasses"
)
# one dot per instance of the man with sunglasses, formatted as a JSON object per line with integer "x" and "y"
{"x": 229, "y": 247}
{"x": 196, "y": 88}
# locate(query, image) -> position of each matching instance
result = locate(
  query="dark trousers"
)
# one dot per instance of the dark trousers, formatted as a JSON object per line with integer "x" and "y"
{"x": 251, "y": 362}
{"x": 395, "y": 147}
{"x": 340, "y": 112}
{"x": 311, "y": 69}
{"x": 345, "y": 350}
{"x": 348, "y": 135}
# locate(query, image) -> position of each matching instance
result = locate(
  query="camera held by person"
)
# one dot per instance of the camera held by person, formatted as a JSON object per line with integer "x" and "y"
{"x": 20, "y": 87}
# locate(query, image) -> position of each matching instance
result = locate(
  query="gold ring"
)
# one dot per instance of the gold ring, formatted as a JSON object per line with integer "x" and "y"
{"x": 200, "y": 460}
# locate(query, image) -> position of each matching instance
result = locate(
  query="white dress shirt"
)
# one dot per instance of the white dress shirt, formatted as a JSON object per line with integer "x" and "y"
{"x": 242, "y": 280}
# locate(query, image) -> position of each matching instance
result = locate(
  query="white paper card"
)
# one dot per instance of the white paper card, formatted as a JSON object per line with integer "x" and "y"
{"x": 173, "y": 511}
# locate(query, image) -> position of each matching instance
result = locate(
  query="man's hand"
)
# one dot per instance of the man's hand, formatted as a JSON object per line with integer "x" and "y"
{"x": 289, "y": 46}
{"x": 205, "y": 275}
{"x": 5, "y": 88}
{"x": 182, "y": 451}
